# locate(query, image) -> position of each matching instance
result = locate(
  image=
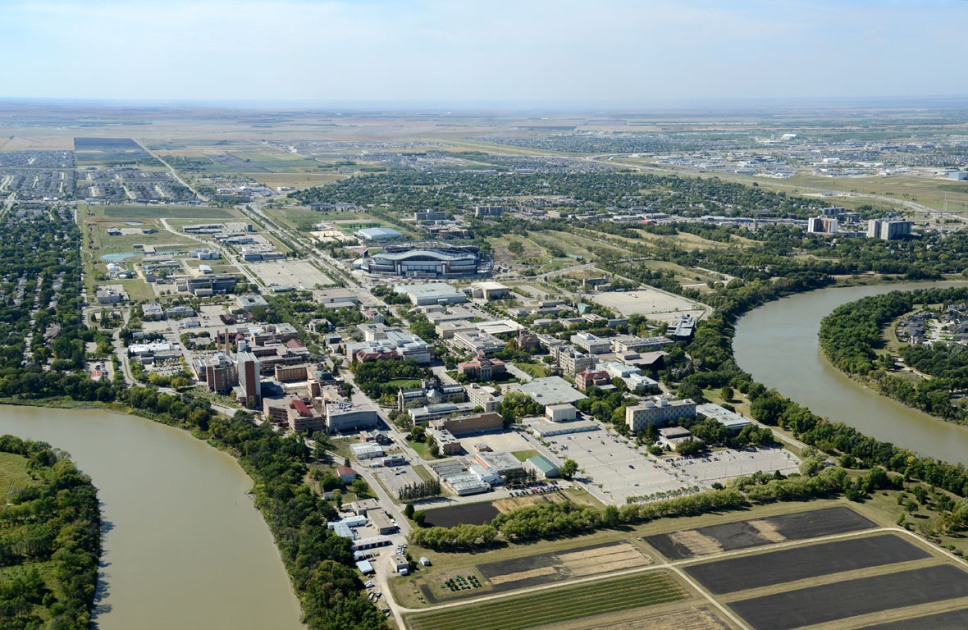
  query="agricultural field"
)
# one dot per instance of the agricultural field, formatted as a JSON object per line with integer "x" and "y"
{"x": 474, "y": 513}
{"x": 853, "y": 598}
{"x": 801, "y": 563}
{"x": 788, "y": 568}
{"x": 111, "y": 152}
{"x": 691, "y": 543}
{"x": 557, "y": 605}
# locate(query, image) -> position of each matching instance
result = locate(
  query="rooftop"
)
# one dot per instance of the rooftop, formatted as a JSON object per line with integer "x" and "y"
{"x": 551, "y": 390}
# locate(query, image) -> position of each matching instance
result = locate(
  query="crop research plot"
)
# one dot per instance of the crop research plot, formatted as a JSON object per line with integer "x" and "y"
{"x": 788, "y": 565}
{"x": 556, "y": 605}
{"x": 754, "y": 533}
{"x": 841, "y": 600}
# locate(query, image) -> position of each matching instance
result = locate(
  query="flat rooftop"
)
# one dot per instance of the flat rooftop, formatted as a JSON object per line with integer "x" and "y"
{"x": 551, "y": 390}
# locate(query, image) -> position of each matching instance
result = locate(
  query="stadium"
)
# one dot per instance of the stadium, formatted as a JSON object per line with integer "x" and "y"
{"x": 426, "y": 260}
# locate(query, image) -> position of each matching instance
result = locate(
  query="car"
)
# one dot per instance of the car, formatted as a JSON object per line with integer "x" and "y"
{"x": 368, "y": 585}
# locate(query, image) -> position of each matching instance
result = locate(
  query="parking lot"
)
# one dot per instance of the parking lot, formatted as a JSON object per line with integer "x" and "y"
{"x": 298, "y": 273}
{"x": 394, "y": 478}
{"x": 721, "y": 466}
{"x": 617, "y": 469}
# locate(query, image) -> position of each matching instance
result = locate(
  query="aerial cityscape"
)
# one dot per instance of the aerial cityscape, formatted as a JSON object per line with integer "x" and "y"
{"x": 439, "y": 316}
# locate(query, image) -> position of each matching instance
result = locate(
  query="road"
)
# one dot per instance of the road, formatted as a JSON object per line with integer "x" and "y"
{"x": 232, "y": 260}
{"x": 173, "y": 172}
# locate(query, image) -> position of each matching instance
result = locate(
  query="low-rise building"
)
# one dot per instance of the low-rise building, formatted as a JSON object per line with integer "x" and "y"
{"x": 484, "y": 397}
{"x": 550, "y": 390}
{"x": 431, "y": 293}
{"x": 347, "y": 416}
{"x": 561, "y": 413}
{"x": 544, "y": 467}
{"x": 482, "y": 368}
{"x": 631, "y": 343}
{"x": 590, "y": 343}
{"x": 250, "y": 301}
{"x": 303, "y": 417}
{"x": 467, "y": 425}
{"x": 430, "y": 393}
{"x": 478, "y": 342}
{"x": 592, "y": 378}
{"x": 446, "y": 442}
{"x": 381, "y": 522}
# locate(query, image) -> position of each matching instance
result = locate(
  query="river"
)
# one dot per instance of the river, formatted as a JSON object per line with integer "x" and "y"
{"x": 778, "y": 344}
{"x": 184, "y": 546}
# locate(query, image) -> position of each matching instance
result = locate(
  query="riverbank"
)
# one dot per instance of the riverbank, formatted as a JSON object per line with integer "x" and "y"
{"x": 182, "y": 545}
{"x": 51, "y": 537}
{"x": 851, "y": 335}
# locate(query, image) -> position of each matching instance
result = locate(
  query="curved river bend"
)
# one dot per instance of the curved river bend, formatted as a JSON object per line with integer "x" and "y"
{"x": 778, "y": 344}
{"x": 184, "y": 546}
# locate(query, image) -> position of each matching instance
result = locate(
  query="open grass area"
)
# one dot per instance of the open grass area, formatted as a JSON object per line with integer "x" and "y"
{"x": 299, "y": 219}
{"x": 525, "y": 455}
{"x": 153, "y": 212}
{"x": 13, "y": 474}
{"x": 556, "y": 605}
{"x": 536, "y": 370}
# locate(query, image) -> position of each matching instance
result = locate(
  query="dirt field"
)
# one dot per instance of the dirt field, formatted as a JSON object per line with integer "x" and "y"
{"x": 954, "y": 619}
{"x": 840, "y": 600}
{"x": 696, "y": 619}
{"x": 745, "y": 534}
{"x": 474, "y": 513}
{"x": 789, "y": 565}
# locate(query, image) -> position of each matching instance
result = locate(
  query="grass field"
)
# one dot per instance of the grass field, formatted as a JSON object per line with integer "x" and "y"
{"x": 153, "y": 212}
{"x": 524, "y": 455}
{"x": 556, "y": 605}
{"x": 13, "y": 474}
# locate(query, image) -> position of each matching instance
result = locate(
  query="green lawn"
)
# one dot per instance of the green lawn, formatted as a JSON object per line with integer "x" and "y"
{"x": 13, "y": 474}
{"x": 174, "y": 212}
{"x": 556, "y": 605}
{"x": 536, "y": 370}
{"x": 525, "y": 455}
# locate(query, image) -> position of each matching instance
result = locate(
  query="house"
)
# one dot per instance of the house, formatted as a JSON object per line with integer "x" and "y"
{"x": 346, "y": 475}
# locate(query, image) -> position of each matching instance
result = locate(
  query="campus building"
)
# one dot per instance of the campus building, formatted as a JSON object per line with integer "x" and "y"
{"x": 427, "y": 260}
{"x": 659, "y": 411}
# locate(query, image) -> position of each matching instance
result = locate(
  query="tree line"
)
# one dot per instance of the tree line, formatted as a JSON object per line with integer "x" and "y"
{"x": 50, "y": 542}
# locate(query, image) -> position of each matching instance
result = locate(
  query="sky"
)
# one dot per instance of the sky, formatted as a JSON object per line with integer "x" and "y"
{"x": 624, "y": 52}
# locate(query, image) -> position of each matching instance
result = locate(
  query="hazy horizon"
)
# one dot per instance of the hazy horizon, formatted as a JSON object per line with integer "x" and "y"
{"x": 372, "y": 53}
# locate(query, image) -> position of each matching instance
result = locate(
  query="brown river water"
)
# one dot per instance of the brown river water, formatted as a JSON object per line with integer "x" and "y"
{"x": 184, "y": 546}
{"x": 778, "y": 344}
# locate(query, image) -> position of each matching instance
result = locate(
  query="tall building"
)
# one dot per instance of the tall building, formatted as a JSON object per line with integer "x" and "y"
{"x": 249, "y": 369}
{"x": 888, "y": 230}
{"x": 822, "y": 225}
{"x": 221, "y": 373}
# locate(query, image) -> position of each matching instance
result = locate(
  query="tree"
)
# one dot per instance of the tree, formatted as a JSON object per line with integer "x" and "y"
{"x": 569, "y": 468}
{"x": 419, "y": 517}
{"x": 727, "y": 393}
{"x": 409, "y": 510}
